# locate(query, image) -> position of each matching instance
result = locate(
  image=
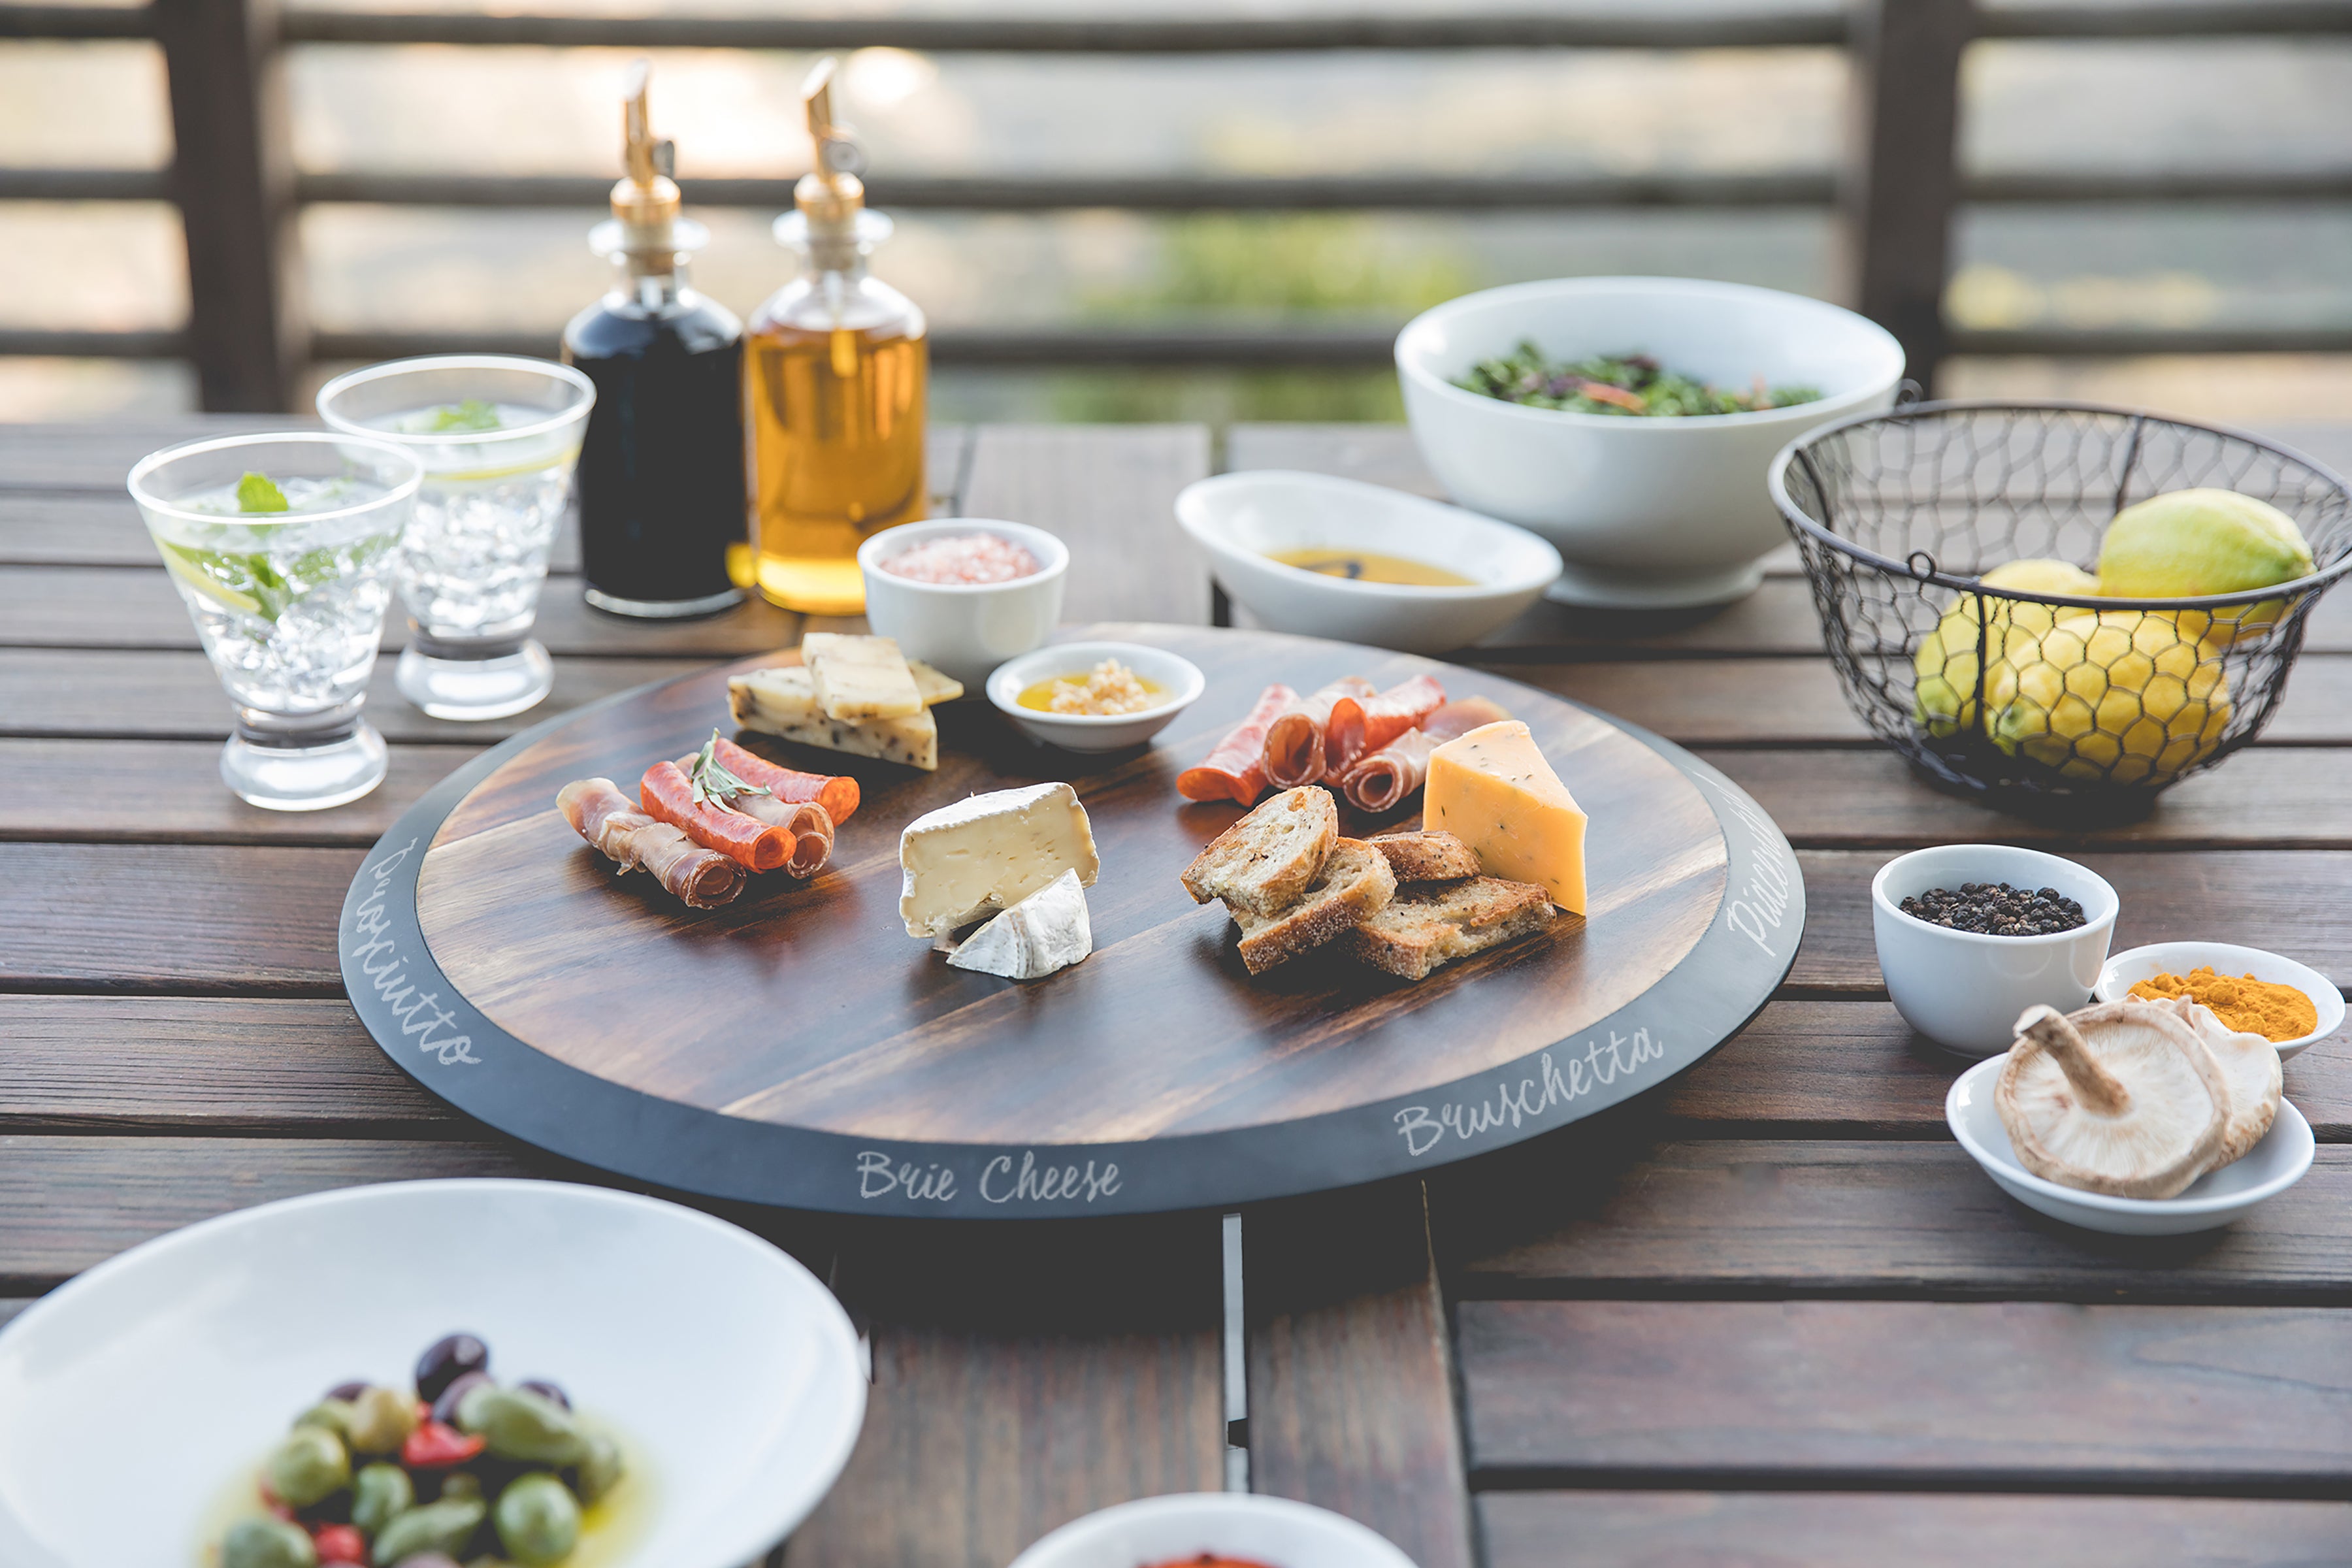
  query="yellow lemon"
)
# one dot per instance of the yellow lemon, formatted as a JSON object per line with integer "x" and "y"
{"x": 2120, "y": 696}
{"x": 1945, "y": 694}
{"x": 2185, "y": 543}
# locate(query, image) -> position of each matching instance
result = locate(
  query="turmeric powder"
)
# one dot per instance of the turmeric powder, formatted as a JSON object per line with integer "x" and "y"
{"x": 2248, "y": 1006}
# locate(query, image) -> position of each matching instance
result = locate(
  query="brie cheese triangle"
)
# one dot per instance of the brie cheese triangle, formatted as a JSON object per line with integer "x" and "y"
{"x": 1046, "y": 932}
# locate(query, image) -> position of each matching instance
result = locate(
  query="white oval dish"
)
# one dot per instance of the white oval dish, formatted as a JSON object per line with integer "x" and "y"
{"x": 727, "y": 1373}
{"x": 1179, "y": 677}
{"x": 965, "y": 630}
{"x": 1235, "y": 518}
{"x": 1963, "y": 991}
{"x": 1159, "y": 1529}
{"x": 2214, "y": 1199}
{"x": 2128, "y": 968}
{"x": 1647, "y": 512}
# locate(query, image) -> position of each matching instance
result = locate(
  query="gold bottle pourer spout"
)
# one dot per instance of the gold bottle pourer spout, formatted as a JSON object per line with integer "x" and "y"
{"x": 645, "y": 199}
{"x": 830, "y": 194}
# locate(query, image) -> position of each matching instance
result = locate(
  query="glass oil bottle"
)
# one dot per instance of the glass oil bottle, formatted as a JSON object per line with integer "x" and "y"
{"x": 662, "y": 502}
{"x": 833, "y": 371}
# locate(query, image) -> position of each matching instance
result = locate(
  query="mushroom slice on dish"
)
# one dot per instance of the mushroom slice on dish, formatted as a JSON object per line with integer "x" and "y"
{"x": 2121, "y": 1099}
{"x": 2251, "y": 1063}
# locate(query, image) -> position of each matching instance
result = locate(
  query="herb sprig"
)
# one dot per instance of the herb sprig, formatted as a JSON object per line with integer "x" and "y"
{"x": 713, "y": 784}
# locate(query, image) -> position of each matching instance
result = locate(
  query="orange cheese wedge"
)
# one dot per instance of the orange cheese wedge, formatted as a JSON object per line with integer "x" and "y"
{"x": 1493, "y": 790}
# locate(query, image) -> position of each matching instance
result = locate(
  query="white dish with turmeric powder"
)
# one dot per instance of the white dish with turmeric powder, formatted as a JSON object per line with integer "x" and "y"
{"x": 1095, "y": 696}
{"x": 2182, "y": 959}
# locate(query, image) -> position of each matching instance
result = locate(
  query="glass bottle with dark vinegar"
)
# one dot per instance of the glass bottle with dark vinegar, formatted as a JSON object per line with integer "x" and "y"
{"x": 662, "y": 509}
{"x": 834, "y": 371}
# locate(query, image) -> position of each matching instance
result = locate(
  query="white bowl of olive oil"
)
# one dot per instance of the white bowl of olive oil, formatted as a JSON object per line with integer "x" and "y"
{"x": 1358, "y": 563}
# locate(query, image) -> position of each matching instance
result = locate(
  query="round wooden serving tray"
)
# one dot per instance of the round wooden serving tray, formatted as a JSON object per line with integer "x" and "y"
{"x": 798, "y": 1048}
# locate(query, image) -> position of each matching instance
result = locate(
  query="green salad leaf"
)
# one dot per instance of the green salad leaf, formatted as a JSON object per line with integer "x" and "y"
{"x": 1630, "y": 384}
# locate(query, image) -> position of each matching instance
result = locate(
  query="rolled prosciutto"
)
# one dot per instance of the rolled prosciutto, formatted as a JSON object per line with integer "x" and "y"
{"x": 1387, "y": 778}
{"x": 668, "y": 794}
{"x": 836, "y": 793}
{"x": 608, "y": 819}
{"x": 1235, "y": 768}
{"x": 1296, "y": 749}
{"x": 807, "y": 821}
{"x": 1357, "y": 729}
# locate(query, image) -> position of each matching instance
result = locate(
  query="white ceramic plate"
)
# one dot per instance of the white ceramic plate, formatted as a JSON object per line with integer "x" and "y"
{"x": 161, "y": 1377}
{"x": 1235, "y": 518}
{"x": 2214, "y": 1199}
{"x": 2125, "y": 970}
{"x": 1153, "y": 1530}
{"x": 1179, "y": 677}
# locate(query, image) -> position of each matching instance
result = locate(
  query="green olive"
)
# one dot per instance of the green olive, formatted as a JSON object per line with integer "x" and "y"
{"x": 538, "y": 1520}
{"x": 334, "y": 1414}
{"x": 380, "y": 1494}
{"x": 444, "y": 1526}
{"x": 600, "y": 1467}
{"x": 268, "y": 1543}
{"x": 461, "y": 1484}
{"x": 310, "y": 1464}
{"x": 381, "y": 1421}
{"x": 518, "y": 1424}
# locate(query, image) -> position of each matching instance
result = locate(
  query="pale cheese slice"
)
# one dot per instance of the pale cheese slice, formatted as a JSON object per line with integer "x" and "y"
{"x": 859, "y": 677}
{"x": 988, "y": 852}
{"x": 1493, "y": 790}
{"x": 1047, "y": 931}
{"x": 782, "y": 701}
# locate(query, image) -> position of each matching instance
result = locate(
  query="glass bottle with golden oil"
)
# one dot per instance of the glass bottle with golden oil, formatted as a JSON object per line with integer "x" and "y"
{"x": 833, "y": 371}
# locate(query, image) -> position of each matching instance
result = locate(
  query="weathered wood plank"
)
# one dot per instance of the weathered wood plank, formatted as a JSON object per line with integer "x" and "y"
{"x": 66, "y": 692}
{"x": 1609, "y": 1213}
{"x": 1871, "y": 1530}
{"x": 2037, "y": 1394}
{"x": 217, "y": 1064}
{"x": 97, "y": 455}
{"x": 1854, "y": 1070}
{"x": 1350, "y": 1374}
{"x": 1109, "y": 494}
{"x": 2288, "y": 903}
{"x": 169, "y": 792}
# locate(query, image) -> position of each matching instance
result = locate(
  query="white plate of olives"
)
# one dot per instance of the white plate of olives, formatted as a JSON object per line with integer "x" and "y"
{"x": 606, "y": 1381}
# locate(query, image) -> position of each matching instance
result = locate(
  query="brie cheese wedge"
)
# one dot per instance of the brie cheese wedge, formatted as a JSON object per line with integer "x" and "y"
{"x": 1046, "y": 932}
{"x": 966, "y": 861}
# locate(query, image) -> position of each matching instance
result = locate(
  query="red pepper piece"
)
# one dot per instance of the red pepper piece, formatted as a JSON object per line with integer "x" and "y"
{"x": 435, "y": 1447}
{"x": 340, "y": 1543}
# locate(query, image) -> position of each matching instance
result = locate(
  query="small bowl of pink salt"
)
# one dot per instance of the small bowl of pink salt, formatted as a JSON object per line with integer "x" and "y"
{"x": 964, "y": 593}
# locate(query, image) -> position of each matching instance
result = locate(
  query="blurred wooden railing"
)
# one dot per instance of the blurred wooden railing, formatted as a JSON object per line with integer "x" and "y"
{"x": 238, "y": 190}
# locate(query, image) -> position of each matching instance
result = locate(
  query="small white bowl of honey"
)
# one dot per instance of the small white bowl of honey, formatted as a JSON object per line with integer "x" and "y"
{"x": 1360, "y": 563}
{"x": 1095, "y": 696}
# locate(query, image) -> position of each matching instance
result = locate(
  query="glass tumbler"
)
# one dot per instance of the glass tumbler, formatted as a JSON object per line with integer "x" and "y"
{"x": 499, "y": 438}
{"x": 281, "y": 547}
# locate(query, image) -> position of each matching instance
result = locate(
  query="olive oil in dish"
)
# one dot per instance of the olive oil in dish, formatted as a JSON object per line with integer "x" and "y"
{"x": 662, "y": 512}
{"x": 834, "y": 373}
{"x": 1369, "y": 566}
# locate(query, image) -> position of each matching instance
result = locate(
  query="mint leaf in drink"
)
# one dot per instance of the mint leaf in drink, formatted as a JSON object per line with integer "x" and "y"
{"x": 471, "y": 414}
{"x": 259, "y": 492}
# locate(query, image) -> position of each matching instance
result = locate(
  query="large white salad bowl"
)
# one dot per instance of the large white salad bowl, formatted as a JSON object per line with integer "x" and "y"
{"x": 137, "y": 1399}
{"x": 1646, "y": 511}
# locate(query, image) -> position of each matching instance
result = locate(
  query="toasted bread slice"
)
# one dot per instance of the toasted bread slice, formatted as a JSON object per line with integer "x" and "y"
{"x": 1355, "y": 882}
{"x": 1264, "y": 861}
{"x": 1426, "y": 856}
{"x": 1424, "y": 927}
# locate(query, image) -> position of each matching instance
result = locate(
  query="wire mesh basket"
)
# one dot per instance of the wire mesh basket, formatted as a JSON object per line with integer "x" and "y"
{"x": 2035, "y": 692}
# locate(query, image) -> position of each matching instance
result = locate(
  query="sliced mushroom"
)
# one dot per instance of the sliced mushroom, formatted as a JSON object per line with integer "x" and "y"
{"x": 2122, "y": 1099}
{"x": 2251, "y": 1064}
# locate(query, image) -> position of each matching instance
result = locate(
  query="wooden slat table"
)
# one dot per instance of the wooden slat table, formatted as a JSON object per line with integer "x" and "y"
{"x": 1767, "y": 1314}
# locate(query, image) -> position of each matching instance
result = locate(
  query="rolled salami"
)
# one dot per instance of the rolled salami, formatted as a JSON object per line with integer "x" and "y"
{"x": 1235, "y": 768}
{"x": 1357, "y": 729}
{"x": 1387, "y": 778}
{"x": 608, "y": 819}
{"x": 1297, "y": 750}
{"x": 836, "y": 793}
{"x": 668, "y": 794}
{"x": 806, "y": 821}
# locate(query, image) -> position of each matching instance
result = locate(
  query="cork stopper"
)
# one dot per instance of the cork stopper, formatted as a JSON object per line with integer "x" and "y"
{"x": 830, "y": 195}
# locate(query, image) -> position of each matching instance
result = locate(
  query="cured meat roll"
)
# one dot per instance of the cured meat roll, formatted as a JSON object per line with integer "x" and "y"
{"x": 809, "y": 824}
{"x": 1236, "y": 769}
{"x": 836, "y": 793}
{"x": 1296, "y": 749}
{"x": 668, "y": 794}
{"x": 601, "y": 814}
{"x": 1387, "y": 778}
{"x": 1357, "y": 729}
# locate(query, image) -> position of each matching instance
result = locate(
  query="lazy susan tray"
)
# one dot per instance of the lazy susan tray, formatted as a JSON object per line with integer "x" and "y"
{"x": 797, "y": 1047}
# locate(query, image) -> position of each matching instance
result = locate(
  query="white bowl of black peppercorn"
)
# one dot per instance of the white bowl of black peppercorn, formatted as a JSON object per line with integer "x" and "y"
{"x": 1965, "y": 989}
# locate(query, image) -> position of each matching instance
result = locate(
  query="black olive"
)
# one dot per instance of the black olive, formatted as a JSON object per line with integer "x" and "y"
{"x": 446, "y": 1360}
{"x": 349, "y": 1391}
{"x": 445, "y": 1408}
{"x": 546, "y": 1390}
